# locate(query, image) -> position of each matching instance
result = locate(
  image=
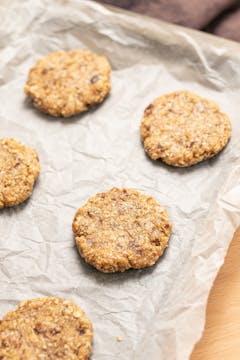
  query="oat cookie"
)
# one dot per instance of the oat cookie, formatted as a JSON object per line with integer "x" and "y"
{"x": 46, "y": 328}
{"x": 183, "y": 129}
{"x": 121, "y": 229}
{"x": 65, "y": 83}
{"x": 19, "y": 169}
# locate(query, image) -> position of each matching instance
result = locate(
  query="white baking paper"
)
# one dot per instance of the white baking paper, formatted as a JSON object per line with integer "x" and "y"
{"x": 159, "y": 312}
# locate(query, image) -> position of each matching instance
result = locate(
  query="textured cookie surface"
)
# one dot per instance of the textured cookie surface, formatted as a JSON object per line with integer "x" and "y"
{"x": 19, "y": 168}
{"x": 65, "y": 83}
{"x": 46, "y": 328}
{"x": 121, "y": 229}
{"x": 183, "y": 129}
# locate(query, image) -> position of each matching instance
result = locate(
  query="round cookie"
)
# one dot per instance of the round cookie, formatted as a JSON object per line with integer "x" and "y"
{"x": 46, "y": 328}
{"x": 65, "y": 83}
{"x": 121, "y": 229}
{"x": 19, "y": 169}
{"x": 183, "y": 129}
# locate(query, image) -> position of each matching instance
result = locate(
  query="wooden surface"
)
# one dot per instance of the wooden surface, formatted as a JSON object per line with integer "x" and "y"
{"x": 221, "y": 337}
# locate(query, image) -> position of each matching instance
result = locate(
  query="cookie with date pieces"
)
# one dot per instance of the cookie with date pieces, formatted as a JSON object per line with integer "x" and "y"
{"x": 121, "y": 229}
{"x": 46, "y": 328}
{"x": 19, "y": 169}
{"x": 66, "y": 83}
{"x": 183, "y": 129}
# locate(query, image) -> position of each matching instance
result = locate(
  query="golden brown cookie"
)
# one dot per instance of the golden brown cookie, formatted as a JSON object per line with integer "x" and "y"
{"x": 183, "y": 129}
{"x": 65, "y": 83}
{"x": 121, "y": 229}
{"x": 46, "y": 328}
{"x": 19, "y": 169}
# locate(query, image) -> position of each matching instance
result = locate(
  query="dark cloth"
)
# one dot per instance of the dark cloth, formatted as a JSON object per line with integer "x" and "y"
{"x": 222, "y": 17}
{"x": 229, "y": 25}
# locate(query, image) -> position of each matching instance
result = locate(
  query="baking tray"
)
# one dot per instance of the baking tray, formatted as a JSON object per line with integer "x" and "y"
{"x": 159, "y": 312}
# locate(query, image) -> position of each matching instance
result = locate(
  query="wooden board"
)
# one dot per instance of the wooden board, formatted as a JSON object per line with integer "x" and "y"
{"x": 221, "y": 337}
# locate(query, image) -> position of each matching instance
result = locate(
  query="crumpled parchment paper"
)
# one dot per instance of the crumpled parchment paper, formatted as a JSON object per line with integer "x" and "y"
{"x": 159, "y": 312}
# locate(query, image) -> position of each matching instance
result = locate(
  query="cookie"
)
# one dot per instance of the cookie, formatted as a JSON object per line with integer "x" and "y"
{"x": 19, "y": 169}
{"x": 183, "y": 129}
{"x": 65, "y": 83}
{"x": 121, "y": 229}
{"x": 46, "y": 328}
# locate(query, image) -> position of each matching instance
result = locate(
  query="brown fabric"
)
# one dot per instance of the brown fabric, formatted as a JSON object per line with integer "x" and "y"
{"x": 229, "y": 26}
{"x": 127, "y": 4}
{"x": 198, "y": 14}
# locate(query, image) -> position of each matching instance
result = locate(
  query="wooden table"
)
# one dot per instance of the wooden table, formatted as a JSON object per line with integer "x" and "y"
{"x": 221, "y": 337}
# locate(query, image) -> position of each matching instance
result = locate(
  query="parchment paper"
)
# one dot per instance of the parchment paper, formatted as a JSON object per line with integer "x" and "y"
{"x": 159, "y": 311}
